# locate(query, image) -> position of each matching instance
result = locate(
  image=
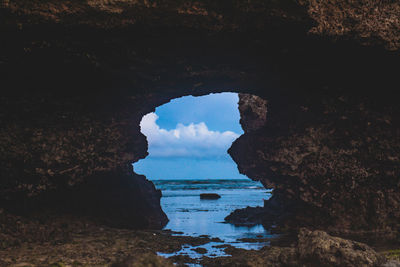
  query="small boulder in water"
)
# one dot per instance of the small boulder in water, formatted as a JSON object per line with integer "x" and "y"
{"x": 200, "y": 250}
{"x": 209, "y": 196}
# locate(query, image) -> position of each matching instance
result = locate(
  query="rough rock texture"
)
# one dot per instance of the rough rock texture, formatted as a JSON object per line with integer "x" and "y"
{"x": 337, "y": 169}
{"x": 391, "y": 263}
{"x": 72, "y": 242}
{"x": 253, "y": 112}
{"x": 366, "y": 20}
{"x": 78, "y": 242}
{"x": 330, "y": 144}
{"x": 144, "y": 260}
{"x": 247, "y": 216}
{"x": 67, "y": 155}
{"x": 320, "y": 249}
{"x": 312, "y": 249}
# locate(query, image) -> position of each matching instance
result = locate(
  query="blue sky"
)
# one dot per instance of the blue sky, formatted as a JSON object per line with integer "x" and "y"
{"x": 219, "y": 111}
{"x": 189, "y": 136}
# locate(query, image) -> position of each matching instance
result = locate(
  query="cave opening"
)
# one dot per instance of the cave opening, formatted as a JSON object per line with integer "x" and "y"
{"x": 188, "y": 139}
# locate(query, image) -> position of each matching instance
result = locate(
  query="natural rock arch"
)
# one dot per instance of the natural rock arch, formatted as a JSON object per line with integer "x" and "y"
{"x": 330, "y": 144}
{"x": 278, "y": 154}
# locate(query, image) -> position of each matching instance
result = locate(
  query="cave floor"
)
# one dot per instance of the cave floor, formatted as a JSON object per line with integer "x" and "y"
{"x": 68, "y": 242}
{"x": 92, "y": 245}
{"x": 89, "y": 245}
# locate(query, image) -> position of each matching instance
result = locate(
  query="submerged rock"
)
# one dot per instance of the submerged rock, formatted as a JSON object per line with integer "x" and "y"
{"x": 209, "y": 196}
{"x": 246, "y": 216}
{"x": 200, "y": 250}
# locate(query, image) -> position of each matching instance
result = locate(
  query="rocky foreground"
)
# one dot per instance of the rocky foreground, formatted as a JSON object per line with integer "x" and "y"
{"x": 70, "y": 242}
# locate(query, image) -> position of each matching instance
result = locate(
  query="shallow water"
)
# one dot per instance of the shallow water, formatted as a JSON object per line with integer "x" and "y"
{"x": 192, "y": 216}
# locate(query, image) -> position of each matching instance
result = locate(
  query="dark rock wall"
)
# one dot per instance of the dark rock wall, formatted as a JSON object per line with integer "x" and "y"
{"x": 73, "y": 130}
{"x": 334, "y": 164}
{"x": 253, "y": 112}
{"x": 330, "y": 143}
{"x": 368, "y": 21}
{"x": 73, "y": 155}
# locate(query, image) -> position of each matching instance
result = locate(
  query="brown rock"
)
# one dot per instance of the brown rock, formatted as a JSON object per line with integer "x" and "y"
{"x": 317, "y": 248}
{"x": 144, "y": 260}
{"x": 329, "y": 146}
{"x": 324, "y": 168}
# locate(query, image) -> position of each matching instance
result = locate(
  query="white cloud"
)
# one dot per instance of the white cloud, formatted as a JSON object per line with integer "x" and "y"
{"x": 193, "y": 140}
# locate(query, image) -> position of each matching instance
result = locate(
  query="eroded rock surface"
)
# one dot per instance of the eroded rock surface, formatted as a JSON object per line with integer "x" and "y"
{"x": 76, "y": 242}
{"x": 253, "y": 112}
{"x": 366, "y": 21}
{"x": 329, "y": 145}
{"x": 73, "y": 241}
{"x": 320, "y": 249}
{"x": 66, "y": 155}
{"x": 332, "y": 164}
{"x": 311, "y": 249}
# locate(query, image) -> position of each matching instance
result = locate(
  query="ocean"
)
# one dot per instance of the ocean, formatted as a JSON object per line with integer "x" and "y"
{"x": 189, "y": 215}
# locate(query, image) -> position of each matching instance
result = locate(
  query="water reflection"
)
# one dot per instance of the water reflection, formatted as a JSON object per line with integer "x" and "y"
{"x": 192, "y": 216}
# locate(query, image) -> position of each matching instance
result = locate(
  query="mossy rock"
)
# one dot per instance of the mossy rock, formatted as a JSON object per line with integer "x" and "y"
{"x": 393, "y": 254}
